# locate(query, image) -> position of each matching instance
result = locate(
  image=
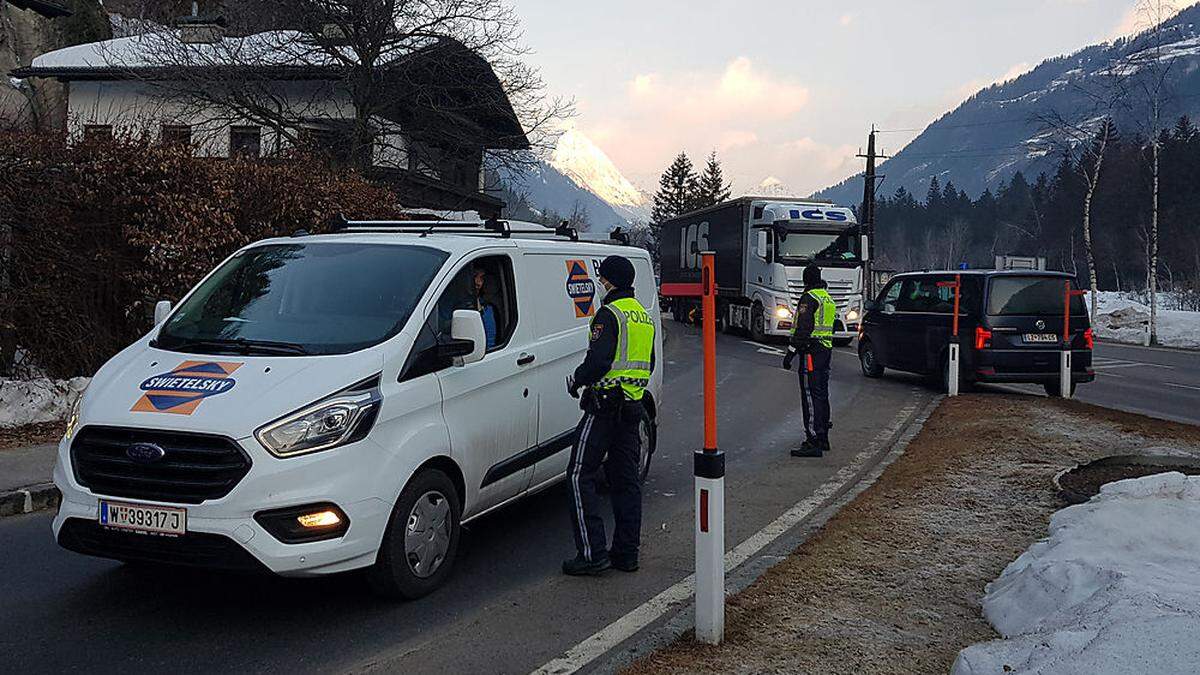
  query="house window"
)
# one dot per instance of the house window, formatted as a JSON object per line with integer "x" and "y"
{"x": 176, "y": 134}
{"x": 245, "y": 142}
{"x": 97, "y": 132}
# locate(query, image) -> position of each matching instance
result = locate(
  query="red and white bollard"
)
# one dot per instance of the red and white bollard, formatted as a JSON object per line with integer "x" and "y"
{"x": 709, "y": 472}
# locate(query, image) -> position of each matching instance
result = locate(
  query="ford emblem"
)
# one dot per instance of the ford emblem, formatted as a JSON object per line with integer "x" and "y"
{"x": 145, "y": 453}
{"x": 1040, "y": 325}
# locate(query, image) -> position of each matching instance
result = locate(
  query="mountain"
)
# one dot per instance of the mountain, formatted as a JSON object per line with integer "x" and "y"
{"x": 579, "y": 182}
{"x": 542, "y": 193}
{"x": 1001, "y": 130}
{"x": 581, "y": 160}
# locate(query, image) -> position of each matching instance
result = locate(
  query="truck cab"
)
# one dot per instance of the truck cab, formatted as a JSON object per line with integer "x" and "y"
{"x": 785, "y": 237}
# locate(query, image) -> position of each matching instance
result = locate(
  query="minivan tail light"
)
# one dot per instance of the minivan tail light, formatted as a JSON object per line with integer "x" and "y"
{"x": 1089, "y": 339}
{"x": 983, "y": 338}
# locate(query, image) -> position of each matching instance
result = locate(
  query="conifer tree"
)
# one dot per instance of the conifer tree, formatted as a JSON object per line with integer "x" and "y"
{"x": 712, "y": 188}
{"x": 676, "y": 194}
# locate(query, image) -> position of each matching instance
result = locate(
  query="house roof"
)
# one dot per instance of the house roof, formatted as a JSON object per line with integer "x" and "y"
{"x": 44, "y": 7}
{"x": 456, "y": 84}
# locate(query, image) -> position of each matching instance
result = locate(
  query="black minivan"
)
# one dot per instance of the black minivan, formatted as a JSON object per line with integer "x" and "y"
{"x": 1010, "y": 327}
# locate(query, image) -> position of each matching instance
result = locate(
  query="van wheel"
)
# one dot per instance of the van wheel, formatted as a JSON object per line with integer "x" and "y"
{"x": 421, "y": 541}
{"x": 1052, "y": 389}
{"x": 868, "y": 359}
{"x": 648, "y": 435}
{"x": 758, "y": 323}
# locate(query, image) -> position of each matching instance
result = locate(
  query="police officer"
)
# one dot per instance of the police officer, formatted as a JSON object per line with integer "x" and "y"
{"x": 614, "y": 376}
{"x": 812, "y": 338}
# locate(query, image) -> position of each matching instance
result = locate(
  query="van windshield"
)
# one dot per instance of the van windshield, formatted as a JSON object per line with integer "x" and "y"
{"x": 317, "y": 298}
{"x": 1040, "y": 296}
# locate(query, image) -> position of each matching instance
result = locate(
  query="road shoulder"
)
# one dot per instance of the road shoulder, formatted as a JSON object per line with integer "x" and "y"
{"x": 893, "y": 582}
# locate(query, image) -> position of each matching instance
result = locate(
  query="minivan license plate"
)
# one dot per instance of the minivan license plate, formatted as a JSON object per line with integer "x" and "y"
{"x": 1041, "y": 337}
{"x": 149, "y": 519}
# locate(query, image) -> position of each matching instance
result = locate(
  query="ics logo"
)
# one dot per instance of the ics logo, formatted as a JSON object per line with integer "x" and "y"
{"x": 581, "y": 289}
{"x": 180, "y": 391}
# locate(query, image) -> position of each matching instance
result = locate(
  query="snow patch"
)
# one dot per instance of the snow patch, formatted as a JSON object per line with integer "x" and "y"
{"x": 1115, "y": 588}
{"x": 581, "y": 160}
{"x": 1122, "y": 318}
{"x": 42, "y": 400}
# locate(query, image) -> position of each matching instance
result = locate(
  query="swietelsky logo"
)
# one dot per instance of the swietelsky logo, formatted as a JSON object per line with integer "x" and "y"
{"x": 180, "y": 391}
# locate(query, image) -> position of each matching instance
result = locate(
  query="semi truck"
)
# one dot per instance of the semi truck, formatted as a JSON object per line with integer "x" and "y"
{"x": 762, "y": 245}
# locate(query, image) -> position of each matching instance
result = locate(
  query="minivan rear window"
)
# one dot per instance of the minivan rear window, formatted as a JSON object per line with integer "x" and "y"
{"x": 1033, "y": 295}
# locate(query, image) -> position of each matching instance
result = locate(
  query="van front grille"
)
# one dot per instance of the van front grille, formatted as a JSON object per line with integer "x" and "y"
{"x": 191, "y": 469}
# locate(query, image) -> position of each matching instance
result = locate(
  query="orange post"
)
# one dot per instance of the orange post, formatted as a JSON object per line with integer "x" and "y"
{"x": 957, "y": 294}
{"x": 709, "y": 305}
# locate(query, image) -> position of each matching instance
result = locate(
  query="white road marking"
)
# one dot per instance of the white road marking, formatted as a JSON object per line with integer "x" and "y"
{"x": 1181, "y": 386}
{"x": 1113, "y": 366}
{"x": 772, "y": 351}
{"x": 627, "y": 626}
{"x": 1119, "y": 377}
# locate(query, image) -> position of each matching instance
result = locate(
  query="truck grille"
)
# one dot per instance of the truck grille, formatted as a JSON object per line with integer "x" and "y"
{"x": 193, "y": 467}
{"x": 838, "y": 290}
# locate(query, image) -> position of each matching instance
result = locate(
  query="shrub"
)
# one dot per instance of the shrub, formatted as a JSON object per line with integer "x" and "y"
{"x": 98, "y": 232}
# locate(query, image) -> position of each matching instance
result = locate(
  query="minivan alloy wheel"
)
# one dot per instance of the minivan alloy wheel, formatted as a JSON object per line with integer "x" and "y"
{"x": 646, "y": 447}
{"x": 427, "y": 536}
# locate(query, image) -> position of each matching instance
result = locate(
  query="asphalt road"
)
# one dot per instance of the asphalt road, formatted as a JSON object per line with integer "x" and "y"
{"x": 1157, "y": 382}
{"x": 507, "y": 608}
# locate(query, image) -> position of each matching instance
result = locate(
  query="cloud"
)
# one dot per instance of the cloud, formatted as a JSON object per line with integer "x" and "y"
{"x": 847, "y": 19}
{"x": 1131, "y": 22}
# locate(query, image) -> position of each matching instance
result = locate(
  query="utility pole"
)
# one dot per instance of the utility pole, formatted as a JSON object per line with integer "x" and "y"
{"x": 868, "y": 213}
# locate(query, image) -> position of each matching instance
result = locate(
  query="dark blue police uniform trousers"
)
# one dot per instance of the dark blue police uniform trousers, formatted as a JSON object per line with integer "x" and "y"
{"x": 616, "y": 436}
{"x": 814, "y": 392}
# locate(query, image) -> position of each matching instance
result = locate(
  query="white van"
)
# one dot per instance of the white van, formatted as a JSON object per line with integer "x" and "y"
{"x": 331, "y": 402}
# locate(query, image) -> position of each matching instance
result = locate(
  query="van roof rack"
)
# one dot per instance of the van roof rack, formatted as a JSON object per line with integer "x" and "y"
{"x": 490, "y": 227}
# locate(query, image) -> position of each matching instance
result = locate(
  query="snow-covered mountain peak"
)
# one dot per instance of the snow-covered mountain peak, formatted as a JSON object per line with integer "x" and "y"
{"x": 577, "y": 157}
{"x": 771, "y": 187}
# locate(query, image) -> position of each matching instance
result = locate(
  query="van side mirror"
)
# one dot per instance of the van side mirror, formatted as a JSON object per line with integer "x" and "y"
{"x": 162, "y": 309}
{"x": 760, "y": 248}
{"x": 870, "y": 305}
{"x": 865, "y": 248}
{"x": 468, "y": 341}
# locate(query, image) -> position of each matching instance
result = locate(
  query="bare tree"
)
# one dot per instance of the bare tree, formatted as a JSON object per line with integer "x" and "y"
{"x": 1151, "y": 60}
{"x": 426, "y": 80}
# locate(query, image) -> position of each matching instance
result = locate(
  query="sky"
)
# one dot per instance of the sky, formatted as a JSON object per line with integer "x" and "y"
{"x": 787, "y": 88}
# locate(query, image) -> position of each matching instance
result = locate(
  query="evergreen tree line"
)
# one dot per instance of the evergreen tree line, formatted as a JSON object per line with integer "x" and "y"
{"x": 682, "y": 190}
{"x": 1045, "y": 218}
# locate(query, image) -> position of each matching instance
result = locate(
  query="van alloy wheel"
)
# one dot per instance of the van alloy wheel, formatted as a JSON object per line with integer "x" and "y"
{"x": 427, "y": 536}
{"x": 646, "y": 438}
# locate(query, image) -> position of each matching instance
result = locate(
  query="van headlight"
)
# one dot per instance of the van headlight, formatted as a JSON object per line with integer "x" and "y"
{"x": 73, "y": 416}
{"x": 326, "y": 424}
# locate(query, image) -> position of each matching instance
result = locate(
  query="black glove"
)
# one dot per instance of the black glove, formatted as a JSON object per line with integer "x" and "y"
{"x": 788, "y": 358}
{"x": 572, "y": 388}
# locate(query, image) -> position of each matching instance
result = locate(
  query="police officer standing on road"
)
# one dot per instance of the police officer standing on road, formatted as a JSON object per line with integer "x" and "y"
{"x": 614, "y": 376}
{"x": 812, "y": 338}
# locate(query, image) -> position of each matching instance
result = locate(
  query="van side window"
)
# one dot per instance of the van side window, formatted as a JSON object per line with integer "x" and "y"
{"x": 486, "y": 285}
{"x": 890, "y": 296}
{"x": 923, "y": 295}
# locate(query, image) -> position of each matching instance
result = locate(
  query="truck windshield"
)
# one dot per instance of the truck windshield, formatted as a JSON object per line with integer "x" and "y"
{"x": 1033, "y": 295}
{"x": 318, "y": 298}
{"x": 803, "y": 247}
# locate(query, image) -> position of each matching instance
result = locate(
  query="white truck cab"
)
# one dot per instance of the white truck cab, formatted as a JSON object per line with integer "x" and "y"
{"x": 323, "y": 403}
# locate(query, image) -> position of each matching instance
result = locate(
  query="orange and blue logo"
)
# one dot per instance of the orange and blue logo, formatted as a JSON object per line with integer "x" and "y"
{"x": 180, "y": 391}
{"x": 581, "y": 289}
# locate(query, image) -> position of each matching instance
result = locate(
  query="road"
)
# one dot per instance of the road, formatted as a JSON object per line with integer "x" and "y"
{"x": 506, "y": 610}
{"x": 1163, "y": 383}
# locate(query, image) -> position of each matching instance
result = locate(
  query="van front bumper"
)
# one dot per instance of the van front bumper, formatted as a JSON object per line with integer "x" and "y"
{"x": 223, "y": 533}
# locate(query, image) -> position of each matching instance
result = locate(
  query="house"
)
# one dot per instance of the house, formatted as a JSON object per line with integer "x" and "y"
{"x": 258, "y": 95}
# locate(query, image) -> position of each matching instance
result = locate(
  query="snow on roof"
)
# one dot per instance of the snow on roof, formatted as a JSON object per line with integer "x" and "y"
{"x": 271, "y": 49}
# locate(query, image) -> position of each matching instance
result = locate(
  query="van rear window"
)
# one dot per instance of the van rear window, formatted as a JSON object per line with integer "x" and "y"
{"x": 1040, "y": 296}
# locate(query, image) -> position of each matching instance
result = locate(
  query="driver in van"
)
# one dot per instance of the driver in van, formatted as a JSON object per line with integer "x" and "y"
{"x": 483, "y": 303}
{"x": 615, "y": 373}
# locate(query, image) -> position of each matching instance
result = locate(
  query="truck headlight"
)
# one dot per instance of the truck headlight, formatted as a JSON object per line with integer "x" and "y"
{"x": 783, "y": 312}
{"x": 852, "y": 315}
{"x": 321, "y": 426}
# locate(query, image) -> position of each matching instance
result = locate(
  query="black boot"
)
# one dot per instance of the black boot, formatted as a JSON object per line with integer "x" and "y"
{"x": 807, "y": 449}
{"x": 624, "y": 564}
{"x": 823, "y": 444}
{"x": 579, "y": 567}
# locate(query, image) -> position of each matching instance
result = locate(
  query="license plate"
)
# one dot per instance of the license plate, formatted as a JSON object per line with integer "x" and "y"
{"x": 1041, "y": 337}
{"x": 149, "y": 519}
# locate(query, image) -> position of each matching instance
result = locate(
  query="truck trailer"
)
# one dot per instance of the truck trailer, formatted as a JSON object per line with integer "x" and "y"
{"x": 762, "y": 245}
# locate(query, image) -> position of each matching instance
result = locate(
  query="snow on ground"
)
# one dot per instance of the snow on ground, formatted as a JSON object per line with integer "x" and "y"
{"x": 1115, "y": 588}
{"x": 42, "y": 400}
{"x": 1122, "y": 318}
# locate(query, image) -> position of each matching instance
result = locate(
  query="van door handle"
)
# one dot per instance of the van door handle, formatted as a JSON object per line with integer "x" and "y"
{"x": 525, "y": 359}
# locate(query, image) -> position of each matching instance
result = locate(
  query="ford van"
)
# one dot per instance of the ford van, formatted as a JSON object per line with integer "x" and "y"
{"x": 323, "y": 403}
